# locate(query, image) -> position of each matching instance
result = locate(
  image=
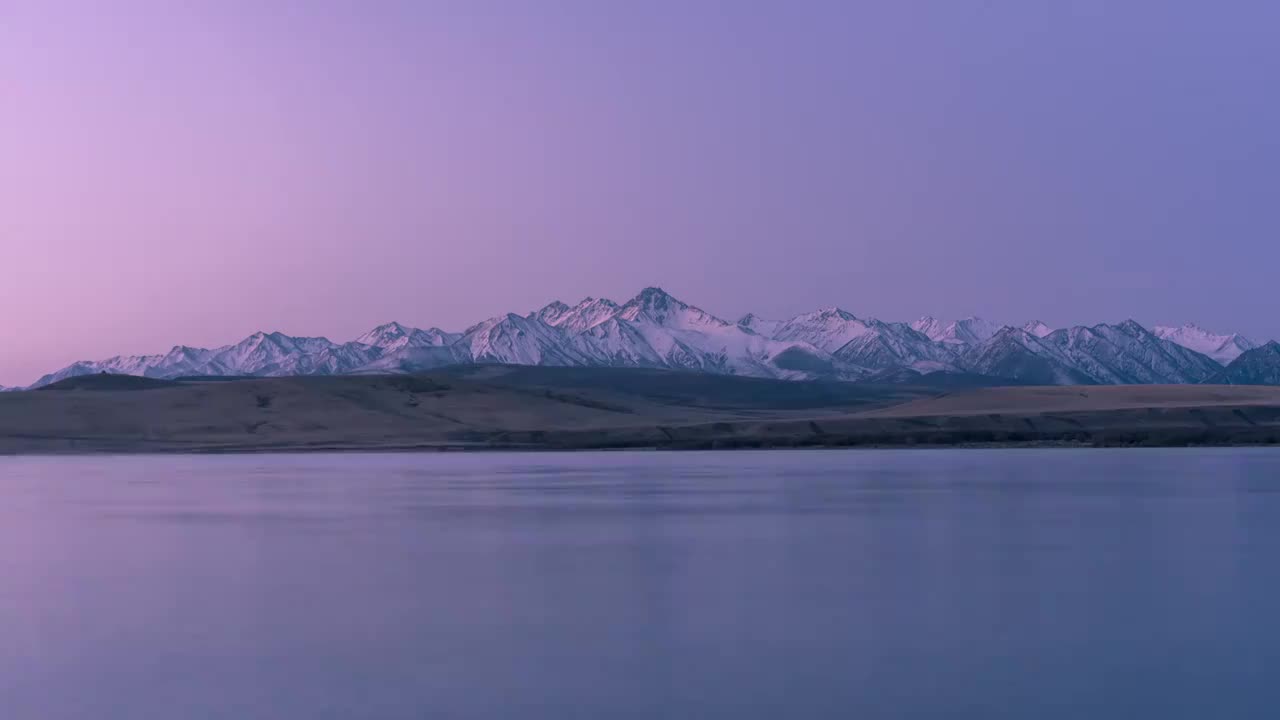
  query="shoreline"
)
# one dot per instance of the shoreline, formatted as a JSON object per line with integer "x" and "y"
{"x": 427, "y": 449}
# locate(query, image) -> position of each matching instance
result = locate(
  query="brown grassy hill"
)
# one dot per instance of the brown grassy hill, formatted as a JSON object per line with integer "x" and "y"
{"x": 460, "y": 407}
{"x": 1084, "y": 398}
{"x": 490, "y": 407}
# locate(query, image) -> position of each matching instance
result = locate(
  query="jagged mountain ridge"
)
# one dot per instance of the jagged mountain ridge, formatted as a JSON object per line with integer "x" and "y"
{"x": 394, "y": 336}
{"x": 1222, "y": 348}
{"x": 656, "y": 330}
{"x": 1258, "y": 366}
{"x": 968, "y": 331}
{"x": 1037, "y": 328}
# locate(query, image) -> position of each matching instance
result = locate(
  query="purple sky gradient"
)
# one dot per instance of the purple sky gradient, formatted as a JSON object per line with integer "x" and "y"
{"x": 190, "y": 176}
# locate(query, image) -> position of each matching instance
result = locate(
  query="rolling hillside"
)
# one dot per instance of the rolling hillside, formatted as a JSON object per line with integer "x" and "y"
{"x": 506, "y": 407}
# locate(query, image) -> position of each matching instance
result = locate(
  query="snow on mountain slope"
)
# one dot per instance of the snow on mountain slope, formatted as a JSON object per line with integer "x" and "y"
{"x": 735, "y": 352}
{"x": 412, "y": 358}
{"x": 550, "y": 313}
{"x": 971, "y": 331}
{"x": 616, "y": 343}
{"x": 1128, "y": 353}
{"x": 930, "y": 327}
{"x": 887, "y": 345}
{"x": 968, "y": 331}
{"x": 76, "y": 369}
{"x": 1017, "y": 354}
{"x": 183, "y": 360}
{"x": 1257, "y": 366}
{"x": 828, "y": 329}
{"x": 394, "y": 336}
{"x": 866, "y": 342}
{"x": 689, "y": 338}
{"x": 270, "y": 354}
{"x": 759, "y": 325}
{"x": 686, "y": 337}
{"x": 259, "y": 354}
{"x": 654, "y": 306}
{"x": 333, "y": 360}
{"x": 141, "y": 365}
{"x": 519, "y": 340}
{"x": 1037, "y": 328}
{"x": 583, "y": 316}
{"x": 1222, "y": 348}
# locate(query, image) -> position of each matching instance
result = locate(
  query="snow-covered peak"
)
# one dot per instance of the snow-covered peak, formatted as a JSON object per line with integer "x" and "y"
{"x": 1011, "y": 337}
{"x": 509, "y": 318}
{"x": 267, "y": 353}
{"x": 385, "y": 334}
{"x": 551, "y": 312}
{"x": 656, "y": 306}
{"x": 1037, "y": 328}
{"x": 1222, "y": 348}
{"x": 968, "y": 331}
{"x": 1128, "y": 353}
{"x": 930, "y": 326}
{"x": 832, "y": 312}
{"x": 585, "y": 315}
{"x": 394, "y": 336}
{"x": 279, "y": 339}
{"x": 971, "y": 330}
{"x": 1189, "y": 329}
{"x": 518, "y": 340}
{"x": 828, "y": 329}
{"x": 1009, "y": 332}
{"x": 183, "y": 352}
{"x": 394, "y": 327}
{"x": 1133, "y": 327}
{"x": 759, "y": 325}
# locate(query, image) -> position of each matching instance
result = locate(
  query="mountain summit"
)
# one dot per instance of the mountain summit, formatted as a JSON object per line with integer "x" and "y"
{"x": 1223, "y": 348}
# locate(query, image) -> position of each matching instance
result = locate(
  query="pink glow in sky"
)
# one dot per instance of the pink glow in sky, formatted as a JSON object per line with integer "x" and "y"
{"x": 193, "y": 172}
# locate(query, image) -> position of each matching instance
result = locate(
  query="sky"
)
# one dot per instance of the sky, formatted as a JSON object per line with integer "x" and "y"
{"x": 189, "y": 173}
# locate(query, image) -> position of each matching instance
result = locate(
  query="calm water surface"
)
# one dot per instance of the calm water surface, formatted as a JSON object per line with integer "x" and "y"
{"x": 931, "y": 584}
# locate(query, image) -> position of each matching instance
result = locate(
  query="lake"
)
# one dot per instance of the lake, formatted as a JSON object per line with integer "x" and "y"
{"x": 803, "y": 584}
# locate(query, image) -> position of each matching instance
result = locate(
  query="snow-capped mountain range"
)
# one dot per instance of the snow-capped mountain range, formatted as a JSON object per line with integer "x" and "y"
{"x": 1257, "y": 366}
{"x": 656, "y": 330}
{"x": 1223, "y": 348}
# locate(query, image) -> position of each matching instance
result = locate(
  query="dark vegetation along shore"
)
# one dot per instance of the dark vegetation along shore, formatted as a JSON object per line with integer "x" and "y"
{"x": 509, "y": 407}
